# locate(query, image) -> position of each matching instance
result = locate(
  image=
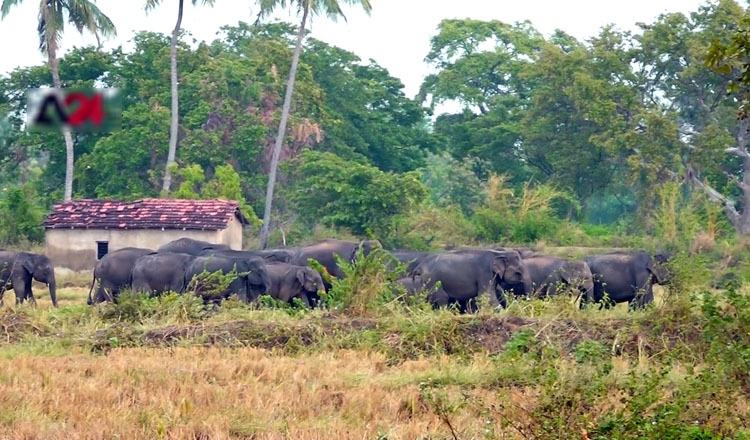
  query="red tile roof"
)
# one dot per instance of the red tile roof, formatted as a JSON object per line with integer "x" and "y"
{"x": 144, "y": 214}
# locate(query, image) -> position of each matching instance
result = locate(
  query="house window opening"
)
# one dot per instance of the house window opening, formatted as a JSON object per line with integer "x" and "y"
{"x": 102, "y": 247}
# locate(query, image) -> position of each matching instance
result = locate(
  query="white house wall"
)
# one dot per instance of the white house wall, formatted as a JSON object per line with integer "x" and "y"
{"x": 75, "y": 249}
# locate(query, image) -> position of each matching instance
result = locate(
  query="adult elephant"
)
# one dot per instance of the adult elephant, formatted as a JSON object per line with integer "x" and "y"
{"x": 470, "y": 273}
{"x": 289, "y": 281}
{"x": 409, "y": 257}
{"x": 251, "y": 282}
{"x": 549, "y": 273}
{"x": 323, "y": 252}
{"x": 190, "y": 246}
{"x": 17, "y": 269}
{"x": 269, "y": 255}
{"x": 159, "y": 272}
{"x": 112, "y": 273}
{"x": 627, "y": 277}
{"x": 437, "y": 297}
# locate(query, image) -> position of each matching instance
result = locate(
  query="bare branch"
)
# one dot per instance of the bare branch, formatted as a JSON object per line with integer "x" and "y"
{"x": 713, "y": 195}
{"x": 739, "y": 152}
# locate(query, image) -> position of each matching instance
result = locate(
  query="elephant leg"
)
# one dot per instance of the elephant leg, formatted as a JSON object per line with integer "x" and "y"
{"x": 305, "y": 300}
{"x": 642, "y": 298}
{"x": 31, "y": 298}
{"x": 469, "y": 306}
{"x": 20, "y": 292}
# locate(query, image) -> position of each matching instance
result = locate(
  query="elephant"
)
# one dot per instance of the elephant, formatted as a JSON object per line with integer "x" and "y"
{"x": 289, "y": 282}
{"x": 548, "y": 272}
{"x": 408, "y": 256}
{"x": 269, "y": 255}
{"x": 627, "y": 277}
{"x": 17, "y": 269}
{"x": 323, "y": 252}
{"x": 190, "y": 246}
{"x": 524, "y": 252}
{"x": 470, "y": 273}
{"x": 159, "y": 272}
{"x": 437, "y": 297}
{"x": 112, "y": 273}
{"x": 253, "y": 281}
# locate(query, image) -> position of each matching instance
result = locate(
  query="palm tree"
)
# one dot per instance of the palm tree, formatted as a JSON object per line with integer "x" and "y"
{"x": 332, "y": 9}
{"x": 174, "y": 124}
{"x": 83, "y": 14}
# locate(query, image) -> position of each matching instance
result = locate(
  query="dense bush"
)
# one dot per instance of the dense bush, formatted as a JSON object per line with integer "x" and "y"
{"x": 336, "y": 192}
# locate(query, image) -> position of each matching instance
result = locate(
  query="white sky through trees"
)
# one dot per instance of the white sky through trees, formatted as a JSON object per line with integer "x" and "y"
{"x": 396, "y": 35}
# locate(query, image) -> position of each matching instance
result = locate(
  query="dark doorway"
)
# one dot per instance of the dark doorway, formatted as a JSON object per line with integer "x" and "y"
{"x": 102, "y": 247}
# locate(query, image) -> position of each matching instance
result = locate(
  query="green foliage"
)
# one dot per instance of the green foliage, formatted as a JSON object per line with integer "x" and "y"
{"x": 337, "y": 192}
{"x": 432, "y": 225}
{"x": 731, "y": 58}
{"x": 212, "y": 285}
{"x": 452, "y": 182}
{"x": 519, "y": 219}
{"x": 140, "y": 308}
{"x": 367, "y": 284}
{"x": 728, "y": 332}
{"x": 20, "y": 215}
{"x": 368, "y": 117}
{"x": 225, "y": 184}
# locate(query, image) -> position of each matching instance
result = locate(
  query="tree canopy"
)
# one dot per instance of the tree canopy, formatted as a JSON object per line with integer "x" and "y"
{"x": 604, "y": 124}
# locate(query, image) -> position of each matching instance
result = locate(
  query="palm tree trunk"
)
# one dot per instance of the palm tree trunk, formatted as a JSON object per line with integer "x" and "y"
{"x": 175, "y": 104}
{"x": 69, "y": 151}
{"x": 282, "y": 130}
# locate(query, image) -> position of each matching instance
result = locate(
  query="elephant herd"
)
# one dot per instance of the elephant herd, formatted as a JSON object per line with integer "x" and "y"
{"x": 461, "y": 276}
{"x": 283, "y": 274}
{"x": 457, "y": 277}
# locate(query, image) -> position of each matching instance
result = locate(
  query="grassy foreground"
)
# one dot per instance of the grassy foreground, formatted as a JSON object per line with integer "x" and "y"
{"x": 170, "y": 368}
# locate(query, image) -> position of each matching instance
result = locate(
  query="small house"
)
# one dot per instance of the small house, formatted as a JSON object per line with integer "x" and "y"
{"x": 80, "y": 232}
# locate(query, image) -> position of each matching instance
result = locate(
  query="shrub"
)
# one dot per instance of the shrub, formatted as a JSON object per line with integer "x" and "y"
{"x": 140, "y": 307}
{"x": 367, "y": 284}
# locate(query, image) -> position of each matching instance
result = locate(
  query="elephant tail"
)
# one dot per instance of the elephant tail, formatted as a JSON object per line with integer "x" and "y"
{"x": 89, "y": 300}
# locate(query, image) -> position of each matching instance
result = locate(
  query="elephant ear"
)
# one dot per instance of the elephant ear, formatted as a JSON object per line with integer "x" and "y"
{"x": 499, "y": 263}
{"x": 301, "y": 276}
{"x": 27, "y": 263}
{"x": 644, "y": 262}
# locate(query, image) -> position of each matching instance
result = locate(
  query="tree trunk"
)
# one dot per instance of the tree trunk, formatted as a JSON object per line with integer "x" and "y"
{"x": 743, "y": 222}
{"x": 739, "y": 219}
{"x": 282, "y": 130}
{"x": 69, "y": 151}
{"x": 173, "y": 127}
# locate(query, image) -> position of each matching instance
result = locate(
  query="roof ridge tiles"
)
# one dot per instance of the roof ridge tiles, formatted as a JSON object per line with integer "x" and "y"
{"x": 147, "y": 213}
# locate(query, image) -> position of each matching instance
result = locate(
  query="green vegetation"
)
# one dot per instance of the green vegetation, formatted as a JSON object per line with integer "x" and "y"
{"x": 599, "y": 130}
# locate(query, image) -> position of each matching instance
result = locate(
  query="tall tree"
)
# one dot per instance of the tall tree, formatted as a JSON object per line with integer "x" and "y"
{"x": 174, "y": 122}
{"x": 732, "y": 59}
{"x": 83, "y": 14}
{"x": 713, "y": 156}
{"x": 332, "y": 9}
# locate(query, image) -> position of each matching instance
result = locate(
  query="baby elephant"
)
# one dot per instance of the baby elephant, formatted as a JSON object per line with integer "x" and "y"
{"x": 289, "y": 282}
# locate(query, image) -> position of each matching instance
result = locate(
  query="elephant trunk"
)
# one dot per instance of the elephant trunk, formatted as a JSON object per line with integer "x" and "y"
{"x": 53, "y": 291}
{"x": 528, "y": 286}
{"x": 266, "y": 281}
